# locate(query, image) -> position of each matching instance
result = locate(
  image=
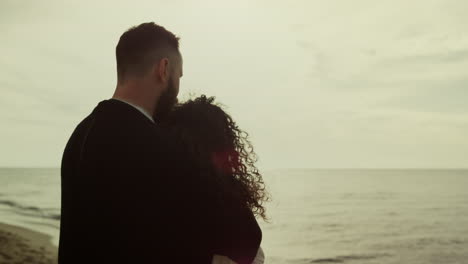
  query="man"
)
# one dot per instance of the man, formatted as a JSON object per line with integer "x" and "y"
{"x": 128, "y": 195}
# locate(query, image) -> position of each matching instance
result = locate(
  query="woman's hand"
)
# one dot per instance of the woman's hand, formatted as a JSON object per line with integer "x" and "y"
{"x": 218, "y": 259}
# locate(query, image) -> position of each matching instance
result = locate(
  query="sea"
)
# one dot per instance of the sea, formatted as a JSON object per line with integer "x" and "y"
{"x": 383, "y": 216}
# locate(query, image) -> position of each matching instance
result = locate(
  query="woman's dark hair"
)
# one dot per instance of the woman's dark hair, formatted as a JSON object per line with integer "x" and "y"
{"x": 222, "y": 149}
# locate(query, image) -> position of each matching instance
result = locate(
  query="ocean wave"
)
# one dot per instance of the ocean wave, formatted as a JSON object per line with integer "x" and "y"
{"x": 32, "y": 211}
{"x": 345, "y": 258}
{"x": 441, "y": 241}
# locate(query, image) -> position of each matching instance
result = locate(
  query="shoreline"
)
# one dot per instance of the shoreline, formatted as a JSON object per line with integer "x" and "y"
{"x": 20, "y": 245}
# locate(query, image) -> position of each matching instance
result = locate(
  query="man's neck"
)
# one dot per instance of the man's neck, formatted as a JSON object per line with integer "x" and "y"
{"x": 140, "y": 101}
{"x": 139, "y": 108}
{"x": 137, "y": 93}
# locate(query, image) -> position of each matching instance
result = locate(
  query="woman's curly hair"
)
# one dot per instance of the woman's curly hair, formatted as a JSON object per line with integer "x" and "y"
{"x": 220, "y": 146}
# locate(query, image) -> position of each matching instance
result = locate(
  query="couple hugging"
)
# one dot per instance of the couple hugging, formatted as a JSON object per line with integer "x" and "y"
{"x": 147, "y": 179}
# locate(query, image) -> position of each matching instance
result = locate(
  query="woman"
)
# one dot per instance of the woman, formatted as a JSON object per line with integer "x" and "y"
{"x": 223, "y": 152}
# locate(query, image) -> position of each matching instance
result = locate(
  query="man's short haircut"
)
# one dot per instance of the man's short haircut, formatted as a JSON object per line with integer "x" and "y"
{"x": 141, "y": 46}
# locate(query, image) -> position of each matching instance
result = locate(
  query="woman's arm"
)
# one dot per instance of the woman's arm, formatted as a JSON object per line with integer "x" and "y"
{"x": 218, "y": 259}
{"x": 259, "y": 259}
{"x": 238, "y": 235}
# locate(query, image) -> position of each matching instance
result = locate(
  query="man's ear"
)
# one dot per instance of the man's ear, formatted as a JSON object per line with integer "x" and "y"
{"x": 163, "y": 70}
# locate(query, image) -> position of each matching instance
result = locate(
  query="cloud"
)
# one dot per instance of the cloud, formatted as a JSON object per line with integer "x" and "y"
{"x": 316, "y": 83}
{"x": 442, "y": 57}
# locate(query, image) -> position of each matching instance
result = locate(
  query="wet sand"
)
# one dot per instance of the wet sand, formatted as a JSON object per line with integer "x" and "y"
{"x": 23, "y": 246}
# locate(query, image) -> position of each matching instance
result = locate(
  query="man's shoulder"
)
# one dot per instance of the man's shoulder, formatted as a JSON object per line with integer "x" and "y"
{"x": 114, "y": 128}
{"x": 116, "y": 118}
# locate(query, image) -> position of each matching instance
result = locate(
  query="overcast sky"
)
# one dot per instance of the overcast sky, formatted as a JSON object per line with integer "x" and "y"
{"x": 317, "y": 84}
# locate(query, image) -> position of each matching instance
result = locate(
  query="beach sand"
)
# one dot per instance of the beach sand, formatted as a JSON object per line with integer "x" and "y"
{"x": 23, "y": 246}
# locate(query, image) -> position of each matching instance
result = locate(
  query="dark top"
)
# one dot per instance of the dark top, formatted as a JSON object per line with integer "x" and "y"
{"x": 131, "y": 195}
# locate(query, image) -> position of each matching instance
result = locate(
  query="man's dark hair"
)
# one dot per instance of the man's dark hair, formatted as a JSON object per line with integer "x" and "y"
{"x": 141, "y": 46}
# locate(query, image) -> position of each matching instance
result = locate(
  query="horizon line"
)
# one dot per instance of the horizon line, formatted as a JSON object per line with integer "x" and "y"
{"x": 291, "y": 168}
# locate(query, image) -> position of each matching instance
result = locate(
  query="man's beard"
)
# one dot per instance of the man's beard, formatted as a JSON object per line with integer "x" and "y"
{"x": 166, "y": 102}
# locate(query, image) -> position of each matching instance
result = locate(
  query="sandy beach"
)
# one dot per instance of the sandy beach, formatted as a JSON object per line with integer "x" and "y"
{"x": 23, "y": 246}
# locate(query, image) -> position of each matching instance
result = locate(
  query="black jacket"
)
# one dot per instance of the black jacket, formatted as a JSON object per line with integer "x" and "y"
{"x": 131, "y": 195}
